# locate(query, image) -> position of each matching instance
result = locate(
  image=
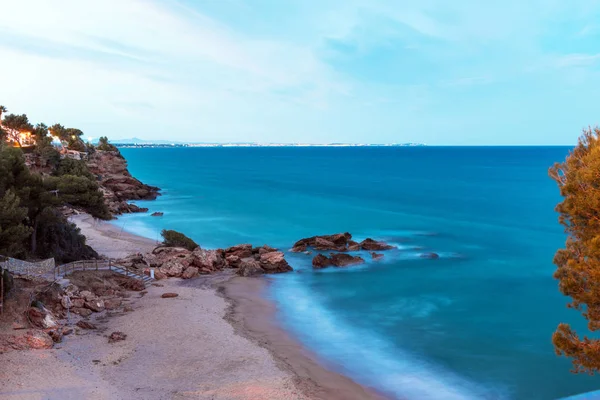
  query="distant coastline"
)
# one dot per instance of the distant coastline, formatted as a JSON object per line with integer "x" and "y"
{"x": 149, "y": 144}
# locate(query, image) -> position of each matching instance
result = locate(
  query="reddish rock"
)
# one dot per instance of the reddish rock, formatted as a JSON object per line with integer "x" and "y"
{"x": 67, "y": 331}
{"x": 336, "y": 242}
{"x": 66, "y": 302}
{"x": 77, "y": 302}
{"x": 274, "y": 262}
{"x": 353, "y": 246}
{"x": 266, "y": 249}
{"x": 172, "y": 268}
{"x": 116, "y": 337}
{"x": 210, "y": 259}
{"x": 373, "y": 245}
{"x": 95, "y": 305}
{"x": 112, "y": 304}
{"x": 56, "y": 335}
{"x": 190, "y": 272}
{"x": 431, "y": 256}
{"x": 169, "y": 295}
{"x": 159, "y": 275}
{"x": 249, "y": 267}
{"x": 376, "y": 256}
{"x": 344, "y": 260}
{"x": 87, "y": 295}
{"x": 38, "y": 340}
{"x": 321, "y": 261}
{"x": 241, "y": 250}
{"x": 84, "y": 312}
{"x": 86, "y": 325}
{"x": 233, "y": 261}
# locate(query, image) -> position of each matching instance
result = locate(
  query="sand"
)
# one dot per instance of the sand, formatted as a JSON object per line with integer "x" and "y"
{"x": 108, "y": 239}
{"x": 217, "y": 340}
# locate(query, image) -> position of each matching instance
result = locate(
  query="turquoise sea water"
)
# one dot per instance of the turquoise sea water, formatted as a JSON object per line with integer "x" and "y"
{"x": 475, "y": 324}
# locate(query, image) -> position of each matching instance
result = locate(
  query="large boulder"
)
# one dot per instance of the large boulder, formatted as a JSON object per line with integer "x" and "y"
{"x": 241, "y": 250}
{"x": 373, "y": 245}
{"x": 210, "y": 259}
{"x": 321, "y": 261}
{"x": 39, "y": 340}
{"x": 172, "y": 268}
{"x": 344, "y": 260}
{"x": 274, "y": 262}
{"x": 190, "y": 272}
{"x": 265, "y": 249}
{"x": 233, "y": 261}
{"x": 336, "y": 242}
{"x": 249, "y": 267}
{"x": 96, "y": 305}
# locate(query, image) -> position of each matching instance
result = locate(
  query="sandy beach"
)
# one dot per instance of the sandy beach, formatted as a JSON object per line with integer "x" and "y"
{"x": 108, "y": 239}
{"x": 217, "y": 340}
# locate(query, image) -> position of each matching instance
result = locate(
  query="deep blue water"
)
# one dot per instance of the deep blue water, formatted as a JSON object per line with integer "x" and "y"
{"x": 475, "y": 324}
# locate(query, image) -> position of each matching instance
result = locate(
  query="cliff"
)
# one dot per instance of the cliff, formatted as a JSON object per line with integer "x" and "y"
{"x": 117, "y": 184}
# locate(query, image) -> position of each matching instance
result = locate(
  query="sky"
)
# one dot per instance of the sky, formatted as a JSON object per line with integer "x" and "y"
{"x": 439, "y": 72}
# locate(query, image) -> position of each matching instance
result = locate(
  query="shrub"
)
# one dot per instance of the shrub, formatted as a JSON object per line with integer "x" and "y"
{"x": 177, "y": 239}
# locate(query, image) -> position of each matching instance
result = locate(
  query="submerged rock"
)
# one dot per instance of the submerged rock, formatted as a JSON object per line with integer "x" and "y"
{"x": 376, "y": 256}
{"x": 344, "y": 260}
{"x": 431, "y": 256}
{"x": 320, "y": 261}
{"x": 157, "y": 214}
{"x": 373, "y": 245}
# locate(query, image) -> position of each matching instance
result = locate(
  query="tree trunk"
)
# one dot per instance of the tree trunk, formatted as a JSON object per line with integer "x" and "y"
{"x": 34, "y": 236}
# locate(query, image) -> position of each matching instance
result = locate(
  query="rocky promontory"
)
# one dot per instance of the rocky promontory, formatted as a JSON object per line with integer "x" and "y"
{"x": 340, "y": 242}
{"x": 117, "y": 184}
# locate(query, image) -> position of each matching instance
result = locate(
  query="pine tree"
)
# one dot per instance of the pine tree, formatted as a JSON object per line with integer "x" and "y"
{"x": 13, "y": 229}
{"x": 578, "y": 272}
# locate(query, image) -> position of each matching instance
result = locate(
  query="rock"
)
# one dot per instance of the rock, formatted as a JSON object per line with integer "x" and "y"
{"x": 274, "y": 262}
{"x": 241, "y": 250}
{"x": 344, "y": 260}
{"x": 42, "y": 318}
{"x": 373, "y": 245}
{"x": 95, "y": 305}
{"x": 336, "y": 242}
{"x": 431, "y": 256}
{"x": 190, "y": 272}
{"x": 112, "y": 304}
{"x": 151, "y": 260}
{"x": 39, "y": 340}
{"x": 86, "y": 325}
{"x": 266, "y": 249}
{"x": 172, "y": 268}
{"x": 210, "y": 259}
{"x": 233, "y": 261}
{"x": 56, "y": 335}
{"x": 65, "y": 301}
{"x": 353, "y": 246}
{"x": 321, "y": 261}
{"x": 249, "y": 267}
{"x": 157, "y": 214}
{"x": 169, "y": 295}
{"x": 159, "y": 275}
{"x": 71, "y": 290}
{"x": 77, "y": 302}
{"x": 67, "y": 332}
{"x": 87, "y": 295}
{"x": 84, "y": 312}
{"x": 376, "y": 256}
{"x": 116, "y": 337}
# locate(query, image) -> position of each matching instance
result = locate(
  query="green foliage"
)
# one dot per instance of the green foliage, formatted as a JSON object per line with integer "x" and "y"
{"x": 7, "y": 279}
{"x": 13, "y": 229}
{"x": 61, "y": 239}
{"x": 80, "y": 191}
{"x": 3, "y": 135}
{"x": 104, "y": 145}
{"x": 40, "y": 132}
{"x": 59, "y": 131}
{"x": 17, "y": 122}
{"x": 49, "y": 155}
{"x": 578, "y": 263}
{"x": 177, "y": 239}
{"x": 69, "y": 166}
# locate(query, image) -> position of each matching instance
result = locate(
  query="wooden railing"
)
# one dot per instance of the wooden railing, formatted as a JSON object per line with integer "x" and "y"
{"x": 94, "y": 265}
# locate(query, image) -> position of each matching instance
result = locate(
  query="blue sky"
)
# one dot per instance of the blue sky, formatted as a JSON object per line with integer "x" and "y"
{"x": 433, "y": 71}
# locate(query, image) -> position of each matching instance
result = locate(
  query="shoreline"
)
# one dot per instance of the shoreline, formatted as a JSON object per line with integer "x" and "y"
{"x": 246, "y": 311}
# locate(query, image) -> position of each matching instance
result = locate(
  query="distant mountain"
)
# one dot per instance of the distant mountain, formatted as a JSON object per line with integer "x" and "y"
{"x": 141, "y": 141}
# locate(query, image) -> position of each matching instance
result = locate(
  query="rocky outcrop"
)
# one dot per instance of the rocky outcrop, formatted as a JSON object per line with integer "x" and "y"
{"x": 117, "y": 184}
{"x": 336, "y": 260}
{"x": 376, "y": 256}
{"x": 341, "y": 242}
{"x": 274, "y": 262}
{"x": 249, "y": 267}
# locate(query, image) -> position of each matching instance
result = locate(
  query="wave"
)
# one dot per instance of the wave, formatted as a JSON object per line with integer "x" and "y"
{"x": 366, "y": 357}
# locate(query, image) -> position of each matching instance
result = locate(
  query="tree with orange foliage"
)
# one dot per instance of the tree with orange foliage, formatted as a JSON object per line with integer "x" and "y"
{"x": 578, "y": 272}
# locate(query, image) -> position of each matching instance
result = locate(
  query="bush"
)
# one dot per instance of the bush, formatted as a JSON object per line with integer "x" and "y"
{"x": 177, "y": 239}
{"x": 61, "y": 239}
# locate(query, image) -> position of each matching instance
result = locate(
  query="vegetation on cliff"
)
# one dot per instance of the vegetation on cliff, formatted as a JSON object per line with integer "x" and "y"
{"x": 578, "y": 272}
{"x": 177, "y": 239}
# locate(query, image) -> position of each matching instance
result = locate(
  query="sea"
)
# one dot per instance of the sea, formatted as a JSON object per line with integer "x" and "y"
{"x": 474, "y": 324}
